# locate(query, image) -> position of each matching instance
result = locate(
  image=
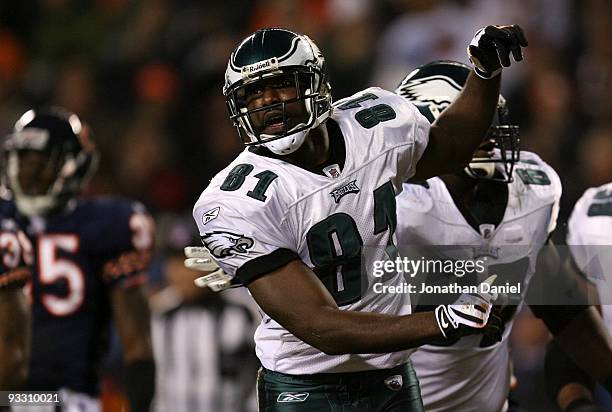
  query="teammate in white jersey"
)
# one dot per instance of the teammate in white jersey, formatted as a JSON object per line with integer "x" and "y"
{"x": 292, "y": 216}
{"x": 500, "y": 209}
{"x": 590, "y": 242}
{"x": 589, "y": 237}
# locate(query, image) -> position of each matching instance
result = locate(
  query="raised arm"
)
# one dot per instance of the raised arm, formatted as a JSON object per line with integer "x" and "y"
{"x": 460, "y": 129}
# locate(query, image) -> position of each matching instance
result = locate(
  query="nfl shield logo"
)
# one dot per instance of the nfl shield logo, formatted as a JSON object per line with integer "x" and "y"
{"x": 332, "y": 171}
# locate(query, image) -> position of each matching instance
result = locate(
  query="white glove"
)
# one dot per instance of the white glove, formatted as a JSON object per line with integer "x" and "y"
{"x": 471, "y": 311}
{"x": 199, "y": 258}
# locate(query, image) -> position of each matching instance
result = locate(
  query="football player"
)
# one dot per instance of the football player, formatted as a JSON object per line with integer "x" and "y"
{"x": 589, "y": 239}
{"x": 293, "y": 216}
{"x": 16, "y": 256}
{"x": 90, "y": 258}
{"x": 498, "y": 208}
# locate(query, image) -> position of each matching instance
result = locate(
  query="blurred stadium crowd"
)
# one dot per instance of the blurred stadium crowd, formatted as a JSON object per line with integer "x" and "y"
{"x": 147, "y": 76}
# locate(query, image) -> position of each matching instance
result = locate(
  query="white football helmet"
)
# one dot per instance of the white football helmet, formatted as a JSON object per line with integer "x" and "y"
{"x": 287, "y": 58}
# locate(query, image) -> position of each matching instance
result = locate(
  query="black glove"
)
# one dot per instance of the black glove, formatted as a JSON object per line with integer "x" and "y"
{"x": 491, "y": 46}
{"x": 494, "y": 331}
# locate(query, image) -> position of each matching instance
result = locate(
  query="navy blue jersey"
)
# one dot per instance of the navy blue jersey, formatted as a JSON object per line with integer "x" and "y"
{"x": 76, "y": 254}
{"x": 15, "y": 248}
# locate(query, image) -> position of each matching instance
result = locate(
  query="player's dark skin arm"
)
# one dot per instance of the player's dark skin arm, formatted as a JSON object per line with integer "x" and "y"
{"x": 14, "y": 338}
{"x": 585, "y": 338}
{"x": 294, "y": 297}
{"x": 575, "y": 391}
{"x": 132, "y": 318}
{"x": 472, "y": 112}
{"x": 572, "y": 392}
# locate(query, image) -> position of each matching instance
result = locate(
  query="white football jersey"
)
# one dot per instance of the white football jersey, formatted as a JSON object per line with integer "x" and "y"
{"x": 260, "y": 212}
{"x": 590, "y": 241}
{"x": 464, "y": 376}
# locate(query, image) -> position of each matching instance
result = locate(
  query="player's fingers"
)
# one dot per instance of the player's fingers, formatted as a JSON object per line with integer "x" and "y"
{"x": 481, "y": 307}
{"x": 486, "y": 293}
{"x": 217, "y": 281}
{"x": 502, "y": 52}
{"x": 470, "y": 316}
{"x": 495, "y": 327}
{"x": 196, "y": 252}
{"x": 517, "y": 53}
{"x": 504, "y": 40}
{"x": 202, "y": 264}
{"x": 520, "y": 34}
{"x": 200, "y": 282}
{"x": 495, "y": 32}
{"x": 490, "y": 280}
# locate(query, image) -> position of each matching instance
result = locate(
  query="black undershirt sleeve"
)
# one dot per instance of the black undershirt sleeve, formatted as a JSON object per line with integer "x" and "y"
{"x": 262, "y": 265}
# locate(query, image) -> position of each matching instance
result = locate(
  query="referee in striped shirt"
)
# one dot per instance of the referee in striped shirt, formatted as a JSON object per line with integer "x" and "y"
{"x": 202, "y": 341}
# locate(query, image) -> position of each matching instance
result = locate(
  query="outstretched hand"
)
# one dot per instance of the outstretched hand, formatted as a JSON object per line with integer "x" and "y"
{"x": 199, "y": 258}
{"x": 491, "y": 46}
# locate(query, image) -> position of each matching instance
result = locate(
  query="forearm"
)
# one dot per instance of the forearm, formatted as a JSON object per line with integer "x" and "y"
{"x": 132, "y": 319}
{"x": 14, "y": 339}
{"x": 566, "y": 383}
{"x": 337, "y": 332}
{"x": 139, "y": 381}
{"x": 471, "y": 113}
{"x": 571, "y": 393}
{"x": 587, "y": 342}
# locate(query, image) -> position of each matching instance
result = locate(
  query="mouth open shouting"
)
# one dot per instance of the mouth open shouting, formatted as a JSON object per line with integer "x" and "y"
{"x": 275, "y": 122}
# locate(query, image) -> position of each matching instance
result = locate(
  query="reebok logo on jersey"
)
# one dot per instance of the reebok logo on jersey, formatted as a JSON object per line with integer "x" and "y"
{"x": 210, "y": 215}
{"x": 223, "y": 244}
{"x": 394, "y": 382}
{"x": 350, "y": 187}
{"x": 292, "y": 397}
